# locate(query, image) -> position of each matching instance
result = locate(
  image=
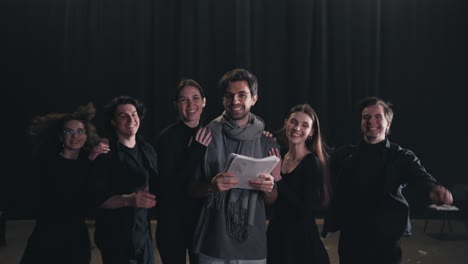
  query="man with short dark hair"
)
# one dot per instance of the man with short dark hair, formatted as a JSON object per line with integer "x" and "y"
{"x": 368, "y": 206}
{"x": 123, "y": 178}
{"x": 232, "y": 224}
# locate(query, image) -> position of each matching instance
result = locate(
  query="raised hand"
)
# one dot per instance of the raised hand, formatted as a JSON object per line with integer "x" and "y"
{"x": 203, "y": 136}
{"x": 101, "y": 148}
{"x": 276, "y": 172}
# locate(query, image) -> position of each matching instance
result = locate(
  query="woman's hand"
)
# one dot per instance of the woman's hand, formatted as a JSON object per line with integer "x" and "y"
{"x": 276, "y": 172}
{"x": 203, "y": 136}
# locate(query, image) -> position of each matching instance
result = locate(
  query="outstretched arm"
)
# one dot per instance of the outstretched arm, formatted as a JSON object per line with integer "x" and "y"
{"x": 440, "y": 195}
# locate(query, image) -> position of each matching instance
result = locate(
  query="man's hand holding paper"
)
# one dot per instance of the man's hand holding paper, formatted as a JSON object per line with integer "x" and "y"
{"x": 264, "y": 182}
{"x": 252, "y": 173}
{"x": 224, "y": 181}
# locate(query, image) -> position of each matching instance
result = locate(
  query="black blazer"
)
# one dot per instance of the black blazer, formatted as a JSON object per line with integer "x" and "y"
{"x": 402, "y": 167}
{"x": 114, "y": 177}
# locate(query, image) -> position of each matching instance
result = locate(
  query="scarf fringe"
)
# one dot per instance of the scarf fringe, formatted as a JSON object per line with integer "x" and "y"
{"x": 237, "y": 215}
{"x": 237, "y": 223}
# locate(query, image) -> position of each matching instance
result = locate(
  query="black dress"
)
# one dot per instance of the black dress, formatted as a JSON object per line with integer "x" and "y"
{"x": 60, "y": 234}
{"x": 292, "y": 233}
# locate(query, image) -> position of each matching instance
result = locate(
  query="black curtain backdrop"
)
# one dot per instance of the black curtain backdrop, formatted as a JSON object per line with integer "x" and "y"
{"x": 58, "y": 54}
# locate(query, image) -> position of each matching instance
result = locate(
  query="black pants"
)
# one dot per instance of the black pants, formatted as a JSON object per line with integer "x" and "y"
{"x": 119, "y": 254}
{"x": 58, "y": 242}
{"x": 174, "y": 241}
{"x": 357, "y": 247}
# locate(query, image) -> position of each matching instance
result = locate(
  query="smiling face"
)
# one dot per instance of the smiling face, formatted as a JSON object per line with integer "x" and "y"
{"x": 298, "y": 127}
{"x": 74, "y": 135}
{"x": 190, "y": 104}
{"x": 238, "y": 100}
{"x": 374, "y": 125}
{"x": 126, "y": 121}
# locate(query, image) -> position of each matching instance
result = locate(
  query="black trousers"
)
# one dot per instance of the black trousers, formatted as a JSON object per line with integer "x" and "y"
{"x": 119, "y": 254}
{"x": 174, "y": 239}
{"x": 58, "y": 242}
{"x": 357, "y": 247}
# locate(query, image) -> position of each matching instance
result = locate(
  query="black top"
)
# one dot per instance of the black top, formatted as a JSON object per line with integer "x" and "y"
{"x": 172, "y": 147}
{"x": 293, "y": 236}
{"x": 123, "y": 171}
{"x": 385, "y": 209}
{"x": 368, "y": 182}
{"x": 65, "y": 189}
{"x": 65, "y": 201}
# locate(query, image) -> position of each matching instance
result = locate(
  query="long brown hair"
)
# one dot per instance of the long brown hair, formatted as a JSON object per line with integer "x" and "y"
{"x": 316, "y": 145}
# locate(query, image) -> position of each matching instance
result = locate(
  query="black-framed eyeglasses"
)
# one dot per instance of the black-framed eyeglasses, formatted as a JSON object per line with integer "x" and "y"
{"x": 242, "y": 96}
{"x": 69, "y": 131}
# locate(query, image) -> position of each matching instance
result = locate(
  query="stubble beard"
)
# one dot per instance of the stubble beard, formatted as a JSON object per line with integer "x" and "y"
{"x": 238, "y": 116}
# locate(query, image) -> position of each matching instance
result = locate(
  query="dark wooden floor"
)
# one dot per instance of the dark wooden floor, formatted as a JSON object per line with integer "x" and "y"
{"x": 433, "y": 247}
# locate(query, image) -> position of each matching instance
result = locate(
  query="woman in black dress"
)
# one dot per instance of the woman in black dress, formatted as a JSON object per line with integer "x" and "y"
{"x": 292, "y": 233}
{"x": 60, "y": 144}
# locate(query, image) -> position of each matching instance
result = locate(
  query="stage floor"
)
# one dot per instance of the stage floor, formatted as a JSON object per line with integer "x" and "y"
{"x": 432, "y": 247}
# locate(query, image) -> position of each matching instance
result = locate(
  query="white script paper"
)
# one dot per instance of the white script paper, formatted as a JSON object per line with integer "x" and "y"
{"x": 247, "y": 168}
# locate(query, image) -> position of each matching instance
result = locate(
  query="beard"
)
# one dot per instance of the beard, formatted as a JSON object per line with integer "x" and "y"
{"x": 374, "y": 137}
{"x": 370, "y": 137}
{"x": 238, "y": 115}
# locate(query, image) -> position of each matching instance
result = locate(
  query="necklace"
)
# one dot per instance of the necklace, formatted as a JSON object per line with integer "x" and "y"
{"x": 288, "y": 157}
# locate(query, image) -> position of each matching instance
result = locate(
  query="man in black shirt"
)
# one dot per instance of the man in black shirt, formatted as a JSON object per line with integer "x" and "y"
{"x": 368, "y": 206}
{"x": 123, "y": 178}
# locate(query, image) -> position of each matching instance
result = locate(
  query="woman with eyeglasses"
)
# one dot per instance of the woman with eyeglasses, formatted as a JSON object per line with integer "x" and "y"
{"x": 63, "y": 144}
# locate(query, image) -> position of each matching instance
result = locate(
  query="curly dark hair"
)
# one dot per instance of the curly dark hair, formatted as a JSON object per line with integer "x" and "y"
{"x": 46, "y": 131}
{"x": 111, "y": 108}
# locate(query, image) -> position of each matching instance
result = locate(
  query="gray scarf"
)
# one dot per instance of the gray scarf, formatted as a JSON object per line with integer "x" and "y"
{"x": 229, "y": 137}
